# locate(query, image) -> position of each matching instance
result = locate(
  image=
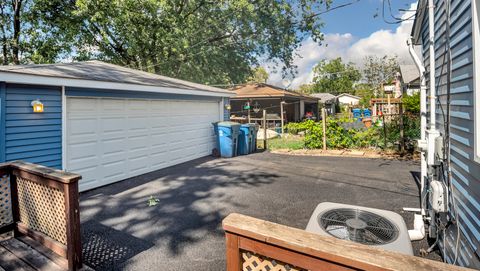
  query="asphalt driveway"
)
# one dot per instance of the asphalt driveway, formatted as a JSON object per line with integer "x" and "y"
{"x": 183, "y": 231}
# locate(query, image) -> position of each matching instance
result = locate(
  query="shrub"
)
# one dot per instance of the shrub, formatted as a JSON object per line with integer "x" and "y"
{"x": 296, "y": 127}
{"x": 412, "y": 103}
{"x": 342, "y": 133}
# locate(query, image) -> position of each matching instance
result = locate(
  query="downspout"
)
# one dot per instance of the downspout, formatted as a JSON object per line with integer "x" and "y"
{"x": 431, "y": 34}
{"x": 418, "y": 231}
{"x": 423, "y": 120}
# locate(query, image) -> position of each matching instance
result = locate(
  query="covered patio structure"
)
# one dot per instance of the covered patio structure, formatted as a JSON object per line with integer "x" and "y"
{"x": 251, "y": 99}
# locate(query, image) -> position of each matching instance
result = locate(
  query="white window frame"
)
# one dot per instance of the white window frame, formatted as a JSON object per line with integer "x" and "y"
{"x": 476, "y": 76}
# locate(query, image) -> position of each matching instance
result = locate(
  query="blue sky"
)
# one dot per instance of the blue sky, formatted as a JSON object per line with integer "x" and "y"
{"x": 358, "y": 18}
{"x": 353, "y": 32}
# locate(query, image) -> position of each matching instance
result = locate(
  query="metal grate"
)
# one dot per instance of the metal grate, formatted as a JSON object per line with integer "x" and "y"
{"x": 256, "y": 262}
{"x": 359, "y": 226}
{"x": 5, "y": 201}
{"x": 42, "y": 209}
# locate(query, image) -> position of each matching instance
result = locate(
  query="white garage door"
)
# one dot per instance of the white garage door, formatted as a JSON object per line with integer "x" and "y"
{"x": 108, "y": 140}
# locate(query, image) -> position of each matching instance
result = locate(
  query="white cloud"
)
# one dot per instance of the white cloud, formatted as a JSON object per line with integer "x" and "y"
{"x": 351, "y": 49}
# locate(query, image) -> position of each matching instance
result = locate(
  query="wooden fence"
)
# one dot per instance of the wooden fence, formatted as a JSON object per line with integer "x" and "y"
{"x": 42, "y": 203}
{"x": 254, "y": 245}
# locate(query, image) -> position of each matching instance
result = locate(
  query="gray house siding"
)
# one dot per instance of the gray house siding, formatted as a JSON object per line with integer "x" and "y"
{"x": 28, "y": 136}
{"x": 465, "y": 171}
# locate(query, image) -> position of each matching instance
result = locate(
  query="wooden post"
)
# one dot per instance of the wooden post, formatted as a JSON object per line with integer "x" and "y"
{"x": 234, "y": 262}
{"x": 402, "y": 136}
{"x": 384, "y": 132}
{"x": 324, "y": 116}
{"x": 248, "y": 116}
{"x": 281, "y": 114}
{"x": 72, "y": 217}
{"x": 14, "y": 202}
{"x": 264, "y": 129}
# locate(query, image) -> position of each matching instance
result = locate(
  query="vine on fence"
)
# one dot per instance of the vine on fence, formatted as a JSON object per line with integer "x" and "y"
{"x": 341, "y": 135}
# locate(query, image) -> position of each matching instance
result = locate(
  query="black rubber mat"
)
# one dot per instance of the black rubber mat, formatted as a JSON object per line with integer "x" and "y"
{"x": 105, "y": 248}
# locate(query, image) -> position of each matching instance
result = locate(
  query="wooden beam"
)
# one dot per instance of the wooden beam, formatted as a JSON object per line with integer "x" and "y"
{"x": 327, "y": 248}
{"x": 7, "y": 228}
{"x": 38, "y": 179}
{"x": 46, "y": 172}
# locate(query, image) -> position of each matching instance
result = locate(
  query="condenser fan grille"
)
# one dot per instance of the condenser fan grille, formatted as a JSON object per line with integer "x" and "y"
{"x": 359, "y": 226}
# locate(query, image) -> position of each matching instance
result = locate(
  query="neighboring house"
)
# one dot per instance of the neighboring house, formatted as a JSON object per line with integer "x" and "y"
{"x": 409, "y": 79}
{"x": 456, "y": 105}
{"x": 263, "y": 96}
{"x": 348, "y": 99}
{"x": 327, "y": 100}
{"x": 103, "y": 121}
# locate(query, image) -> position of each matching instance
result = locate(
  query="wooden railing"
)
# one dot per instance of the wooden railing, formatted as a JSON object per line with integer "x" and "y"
{"x": 254, "y": 244}
{"x": 42, "y": 203}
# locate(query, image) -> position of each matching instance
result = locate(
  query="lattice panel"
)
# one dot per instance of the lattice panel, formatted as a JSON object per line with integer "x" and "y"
{"x": 5, "y": 201}
{"x": 255, "y": 262}
{"x": 42, "y": 209}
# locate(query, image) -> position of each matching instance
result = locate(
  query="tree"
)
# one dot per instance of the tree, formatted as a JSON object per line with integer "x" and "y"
{"x": 334, "y": 76}
{"x": 306, "y": 88}
{"x": 259, "y": 75}
{"x": 35, "y": 31}
{"x": 213, "y": 42}
{"x": 378, "y": 71}
{"x": 364, "y": 91}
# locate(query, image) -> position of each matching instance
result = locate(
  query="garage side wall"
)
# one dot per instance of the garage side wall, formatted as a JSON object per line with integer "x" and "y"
{"x": 29, "y": 136}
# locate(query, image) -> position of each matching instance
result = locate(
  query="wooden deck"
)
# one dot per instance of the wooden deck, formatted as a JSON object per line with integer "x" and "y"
{"x": 23, "y": 253}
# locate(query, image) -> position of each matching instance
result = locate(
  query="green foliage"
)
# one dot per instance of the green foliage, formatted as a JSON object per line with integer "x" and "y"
{"x": 43, "y": 33}
{"x": 364, "y": 91}
{"x": 411, "y": 104}
{"x": 212, "y": 42}
{"x": 259, "y": 75}
{"x": 339, "y": 136}
{"x": 334, "y": 77}
{"x": 306, "y": 88}
{"x": 296, "y": 127}
{"x": 411, "y": 129}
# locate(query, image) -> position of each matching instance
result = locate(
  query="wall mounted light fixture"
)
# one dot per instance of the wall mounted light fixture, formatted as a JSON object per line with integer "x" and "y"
{"x": 228, "y": 107}
{"x": 37, "y": 106}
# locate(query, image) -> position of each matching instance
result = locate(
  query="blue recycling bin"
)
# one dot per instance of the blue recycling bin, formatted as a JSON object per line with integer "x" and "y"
{"x": 254, "y": 131}
{"x": 245, "y": 139}
{"x": 357, "y": 113}
{"x": 367, "y": 113}
{"x": 227, "y": 137}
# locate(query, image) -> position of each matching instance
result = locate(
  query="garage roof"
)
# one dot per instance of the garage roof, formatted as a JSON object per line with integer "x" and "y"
{"x": 99, "y": 71}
